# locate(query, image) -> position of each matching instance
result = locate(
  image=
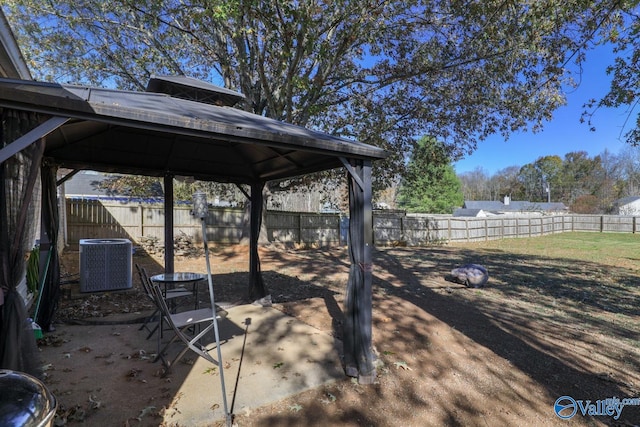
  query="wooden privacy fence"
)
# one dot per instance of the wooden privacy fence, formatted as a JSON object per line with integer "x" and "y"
{"x": 99, "y": 219}
{"x": 94, "y": 219}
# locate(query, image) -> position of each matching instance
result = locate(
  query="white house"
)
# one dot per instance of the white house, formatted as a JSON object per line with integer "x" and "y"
{"x": 627, "y": 206}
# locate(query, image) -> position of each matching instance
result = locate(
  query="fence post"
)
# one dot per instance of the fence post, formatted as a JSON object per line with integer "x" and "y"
{"x": 634, "y": 222}
{"x": 466, "y": 226}
{"x": 141, "y": 219}
{"x": 601, "y": 223}
{"x": 300, "y": 229}
{"x": 486, "y": 229}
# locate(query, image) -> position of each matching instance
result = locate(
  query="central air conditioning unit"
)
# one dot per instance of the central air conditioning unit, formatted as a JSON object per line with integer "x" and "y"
{"x": 105, "y": 264}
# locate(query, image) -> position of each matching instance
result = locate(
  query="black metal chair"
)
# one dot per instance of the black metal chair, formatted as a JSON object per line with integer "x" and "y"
{"x": 169, "y": 295}
{"x": 190, "y": 327}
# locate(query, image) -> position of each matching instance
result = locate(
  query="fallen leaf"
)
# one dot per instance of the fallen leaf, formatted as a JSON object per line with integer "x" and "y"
{"x": 402, "y": 365}
{"x": 146, "y": 411}
{"x": 95, "y": 403}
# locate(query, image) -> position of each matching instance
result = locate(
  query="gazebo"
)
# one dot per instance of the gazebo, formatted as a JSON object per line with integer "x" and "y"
{"x": 178, "y": 127}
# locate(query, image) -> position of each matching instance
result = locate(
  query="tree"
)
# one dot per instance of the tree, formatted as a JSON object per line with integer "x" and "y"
{"x": 475, "y": 184}
{"x": 430, "y": 183}
{"x": 587, "y": 204}
{"x": 529, "y": 179}
{"x": 377, "y": 71}
{"x": 625, "y": 72}
{"x": 505, "y": 183}
{"x": 577, "y": 167}
{"x": 629, "y": 171}
{"x": 549, "y": 168}
{"x": 539, "y": 177}
{"x": 610, "y": 188}
{"x": 132, "y": 186}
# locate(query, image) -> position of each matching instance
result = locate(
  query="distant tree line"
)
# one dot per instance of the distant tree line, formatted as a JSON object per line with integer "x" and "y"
{"x": 586, "y": 184}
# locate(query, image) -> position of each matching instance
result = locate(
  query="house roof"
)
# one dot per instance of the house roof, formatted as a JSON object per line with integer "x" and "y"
{"x": 483, "y": 205}
{"x": 12, "y": 62}
{"x": 87, "y": 184}
{"x": 468, "y": 212}
{"x": 627, "y": 200}
{"x": 513, "y": 206}
{"x": 156, "y": 134}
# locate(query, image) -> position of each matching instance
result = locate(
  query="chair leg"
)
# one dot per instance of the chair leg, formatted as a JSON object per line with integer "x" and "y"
{"x": 152, "y": 331}
{"x": 145, "y": 325}
{"x": 192, "y": 345}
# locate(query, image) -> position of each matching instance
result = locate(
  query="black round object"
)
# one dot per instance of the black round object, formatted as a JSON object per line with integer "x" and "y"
{"x": 25, "y": 401}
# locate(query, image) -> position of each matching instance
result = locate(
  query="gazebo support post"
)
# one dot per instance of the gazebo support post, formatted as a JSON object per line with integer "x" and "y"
{"x": 168, "y": 224}
{"x": 358, "y": 350}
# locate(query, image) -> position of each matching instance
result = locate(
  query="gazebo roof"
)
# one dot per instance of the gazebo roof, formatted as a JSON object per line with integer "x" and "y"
{"x": 195, "y": 90}
{"x": 157, "y": 134}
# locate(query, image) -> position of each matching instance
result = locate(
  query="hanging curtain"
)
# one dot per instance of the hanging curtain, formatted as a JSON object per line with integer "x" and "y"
{"x": 49, "y": 259}
{"x": 358, "y": 353}
{"x": 257, "y": 288}
{"x": 18, "y": 179}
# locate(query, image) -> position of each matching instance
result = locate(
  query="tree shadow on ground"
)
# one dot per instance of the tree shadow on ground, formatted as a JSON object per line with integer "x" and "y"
{"x": 542, "y": 328}
{"x": 543, "y": 317}
{"x": 573, "y": 299}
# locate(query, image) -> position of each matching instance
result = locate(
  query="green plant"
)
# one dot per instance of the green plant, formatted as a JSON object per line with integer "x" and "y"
{"x": 33, "y": 270}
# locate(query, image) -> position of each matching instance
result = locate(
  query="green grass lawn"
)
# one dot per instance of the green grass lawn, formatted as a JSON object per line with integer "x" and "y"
{"x": 615, "y": 249}
{"x": 567, "y": 281}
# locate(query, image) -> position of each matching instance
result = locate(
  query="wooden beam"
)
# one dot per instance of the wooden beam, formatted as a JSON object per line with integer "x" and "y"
{"x": 30, "y": 137}
{"x": 352, "y": 172}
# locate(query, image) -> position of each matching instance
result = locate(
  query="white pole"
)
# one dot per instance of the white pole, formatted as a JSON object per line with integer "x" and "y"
{"x": 200, "y": 209}
{"x": 215, "y": 323}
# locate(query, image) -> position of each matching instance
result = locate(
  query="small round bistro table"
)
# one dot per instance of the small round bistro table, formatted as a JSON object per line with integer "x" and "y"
{"x": 170, "y": 280}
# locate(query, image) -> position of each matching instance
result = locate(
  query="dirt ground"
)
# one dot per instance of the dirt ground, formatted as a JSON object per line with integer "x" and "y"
{"x": 448, "y": 355}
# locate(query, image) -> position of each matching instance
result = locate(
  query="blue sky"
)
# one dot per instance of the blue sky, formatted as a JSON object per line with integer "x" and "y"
{"x": 564, "y": 133}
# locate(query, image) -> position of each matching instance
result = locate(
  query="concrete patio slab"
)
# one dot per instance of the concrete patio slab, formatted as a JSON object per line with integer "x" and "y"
{"x": 102, "y": 373}
{"x": 267, "y": 356}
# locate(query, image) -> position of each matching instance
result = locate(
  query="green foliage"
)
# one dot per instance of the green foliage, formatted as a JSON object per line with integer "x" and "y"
{"x": 33, "y": 270}
{"x": 430, "y": 184}
{"x": 622, "y": 32}
{"x": 132, "y": 186}
{"x": 583, "y": 183}
{"x": 183, "y": 189}
{"x": 540, "y": 177}
{"x": 378, "y": 72}
{"x": 587, "y": 204}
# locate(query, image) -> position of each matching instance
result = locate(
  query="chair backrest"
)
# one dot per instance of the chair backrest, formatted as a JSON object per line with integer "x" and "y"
{"x": 190, "y": 342}
{"x": 146, "y": 282}
{"x": 161, "y": 303}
